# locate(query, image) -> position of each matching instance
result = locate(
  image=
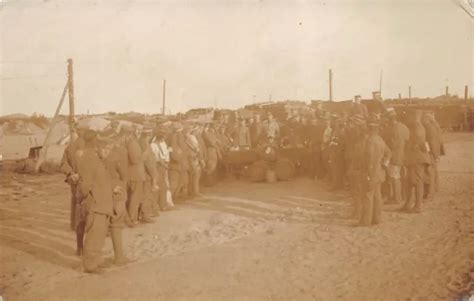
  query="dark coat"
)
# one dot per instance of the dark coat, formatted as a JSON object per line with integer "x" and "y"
{"x": 95, "y": 183}
{"x": 377, "y": 152}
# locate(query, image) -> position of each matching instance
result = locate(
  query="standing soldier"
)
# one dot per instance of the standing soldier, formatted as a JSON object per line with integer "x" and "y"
{"x": 162, "y": 156}
{"x": 195, "y": 159}
{"x": 397, "y": 136}
{"x": 136, "y": 174}
{"x": 117, "y": 166}
{"x": 256, "y": 130}
{"x": 212, "y": 144}
{"x": 356, "y": 157}
{"x": 150, "y": 186}
{"x": 435, "y": 143}
{"x": 69, "y": 168}
{"x": 178, "y": 170}
{"x": 417, "y": 160}
{"x": 97, "y": 191}
{"x": 377, "y": 154}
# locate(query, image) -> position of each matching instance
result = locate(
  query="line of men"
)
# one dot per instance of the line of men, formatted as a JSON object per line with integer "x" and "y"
{"x": 123, "y": 178}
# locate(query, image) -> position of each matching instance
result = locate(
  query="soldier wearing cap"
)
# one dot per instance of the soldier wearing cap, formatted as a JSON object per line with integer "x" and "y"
{"x": 398, "y": 135}
{"x": 436, "y": 147}
{"x": 179, "y": 165}
{"x": 358, "y": 108}
{"x": 162, "y": 156}
{"x": 213, "y": 148}
{"x": 116, "y": 163}
{"x": 417, "y": 160}
{"x": 377, "y": 156}
{"x": 69, "y": 168}
{"x": 96, "y": 188}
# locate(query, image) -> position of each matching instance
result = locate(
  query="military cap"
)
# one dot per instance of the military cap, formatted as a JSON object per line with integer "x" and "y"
{"x": 90, "y": 136}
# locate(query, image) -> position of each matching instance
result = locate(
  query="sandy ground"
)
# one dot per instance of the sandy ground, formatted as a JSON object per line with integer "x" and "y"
{"x": 246, "y": 241}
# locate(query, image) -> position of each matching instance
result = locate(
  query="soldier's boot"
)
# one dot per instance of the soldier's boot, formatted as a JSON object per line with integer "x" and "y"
{"x": 79, "y": 243}
{"x": 418, "y": 198}
{"x": 120, "y": 258}
{"x": 397, "y": 191}
{"x": 406, "y": 207}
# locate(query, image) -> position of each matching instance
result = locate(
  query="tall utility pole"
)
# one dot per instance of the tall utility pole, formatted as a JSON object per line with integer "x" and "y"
{"x": 409, "y": 93}
{"x": 466, "y": 93}
{"x": 380, "y": 82}
{"x": 447, "y": 91}
{"x": 70, "y": 88}
{"x": 164, "y": 98}
{"x": 330, "y": 85}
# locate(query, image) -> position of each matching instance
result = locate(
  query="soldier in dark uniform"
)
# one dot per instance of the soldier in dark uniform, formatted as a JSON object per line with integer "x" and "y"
{"x": 398, "y": 135}
{"x": 136, "y": 174}
{"x": 96, "y": 188}
{"x": 178, "y": 168}
{"x": 355, "y": 156}
{"x": 377, "y": 156}
{"x": 435, "y": 143}
{"x": 116, "y": 163}
{"x": 417, "y": 160}
{"x": 213, "y": 148}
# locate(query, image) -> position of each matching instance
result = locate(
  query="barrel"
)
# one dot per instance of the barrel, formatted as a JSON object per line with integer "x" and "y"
{"x": 270, "y": 176}
{"x": 257, "y": 171}
{"x": 284, "y": 169}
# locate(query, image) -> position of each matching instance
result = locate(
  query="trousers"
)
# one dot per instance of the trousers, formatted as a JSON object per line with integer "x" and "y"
{"x": 371, "y": 205}
{"x": 135, "y": 193}
{"x": 95, "y": 233}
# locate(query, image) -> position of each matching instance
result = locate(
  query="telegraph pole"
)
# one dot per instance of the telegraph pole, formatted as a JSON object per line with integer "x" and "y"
{"x": 380, "y": 83}
{"x": 164, "y": 97}
{"x": 330, "y": 85}
{"x": 70, "y": 88}
{"x": 466, "y": 93}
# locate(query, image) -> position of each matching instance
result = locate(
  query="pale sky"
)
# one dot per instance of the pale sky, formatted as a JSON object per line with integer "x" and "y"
{"x": 221, "y": 53}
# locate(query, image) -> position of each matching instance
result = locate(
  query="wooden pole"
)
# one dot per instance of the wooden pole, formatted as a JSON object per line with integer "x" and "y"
{"x": 70, "y": 84}
{"x": 447, "y": 90}
{"x": 330, "y": 85}
{"x": 44, "y": 149}
{"x": 409, "y": 94}
{"x": 399, "y": 96}
{"x": 380, "y": 82}
{"x": 466, "y": 93}
{"x": 164, "y": 98}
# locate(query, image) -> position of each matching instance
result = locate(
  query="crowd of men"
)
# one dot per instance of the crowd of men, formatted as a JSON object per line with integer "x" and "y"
{"x": 123, "y": 177}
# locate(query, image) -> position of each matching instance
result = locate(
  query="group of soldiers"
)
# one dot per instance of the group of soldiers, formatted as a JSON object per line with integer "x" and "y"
{"x": 124, "y": 176}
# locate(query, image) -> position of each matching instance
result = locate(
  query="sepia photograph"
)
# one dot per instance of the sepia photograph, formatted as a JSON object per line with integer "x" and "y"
{"x": 236, "y": 150}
